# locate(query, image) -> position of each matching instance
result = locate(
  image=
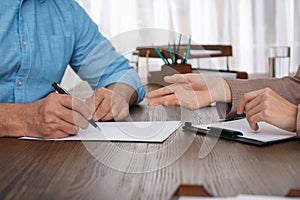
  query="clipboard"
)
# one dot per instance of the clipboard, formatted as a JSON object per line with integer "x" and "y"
{"x": 228, "y": 134}
{"x": 186, "y": 190}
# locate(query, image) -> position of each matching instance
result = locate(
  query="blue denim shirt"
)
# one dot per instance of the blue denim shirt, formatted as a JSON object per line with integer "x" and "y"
{"x": 39, "y": 38}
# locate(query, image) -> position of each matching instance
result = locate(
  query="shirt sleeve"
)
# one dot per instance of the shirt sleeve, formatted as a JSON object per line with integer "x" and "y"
{"x": 95, "y": 60}
{"x": 287, "y": 87}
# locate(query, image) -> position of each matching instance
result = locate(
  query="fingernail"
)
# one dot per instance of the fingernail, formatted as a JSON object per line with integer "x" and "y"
{"x": 239, "y": 112}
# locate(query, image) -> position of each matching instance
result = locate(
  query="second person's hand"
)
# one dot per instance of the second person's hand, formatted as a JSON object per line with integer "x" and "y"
{"x": 267, "y": 106}
{"x": 192, "y": 91}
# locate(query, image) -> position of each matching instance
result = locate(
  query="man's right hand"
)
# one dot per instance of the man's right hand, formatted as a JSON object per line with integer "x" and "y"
{"x": 55, "y": 116}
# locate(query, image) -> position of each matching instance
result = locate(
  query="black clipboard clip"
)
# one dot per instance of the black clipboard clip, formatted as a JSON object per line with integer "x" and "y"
{"x": 213, "y": 131}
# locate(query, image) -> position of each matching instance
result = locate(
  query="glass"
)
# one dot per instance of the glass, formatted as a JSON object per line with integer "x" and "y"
{"x": 279, "y": 61}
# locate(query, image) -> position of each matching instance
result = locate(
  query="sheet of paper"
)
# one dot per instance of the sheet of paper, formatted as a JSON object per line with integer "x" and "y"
{"x": 260, "y": 197}
{"x": 265, "y": 133}
{"x": 239, "y": 197}
{"x": 150, "y": 131}
{"x": 204, "y": 198}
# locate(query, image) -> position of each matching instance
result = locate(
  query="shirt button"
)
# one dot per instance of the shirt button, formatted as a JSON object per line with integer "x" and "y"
{"x": 20, "y": 83}
{"x": 24, "y": 42}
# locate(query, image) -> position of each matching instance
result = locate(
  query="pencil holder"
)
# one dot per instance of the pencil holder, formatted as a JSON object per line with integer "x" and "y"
{"x": 171, "y": 69}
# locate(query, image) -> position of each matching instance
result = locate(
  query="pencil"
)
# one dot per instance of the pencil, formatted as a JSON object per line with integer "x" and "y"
{"x": 175, "y": 53}
{"x": 160, "y": 55}
{"x": 170, "y": 51}
{"x": 178, "y": 48}
{"x": 187, "y": 51}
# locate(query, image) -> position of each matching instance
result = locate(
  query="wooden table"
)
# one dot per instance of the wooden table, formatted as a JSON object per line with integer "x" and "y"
{"x": 67, "y": 170}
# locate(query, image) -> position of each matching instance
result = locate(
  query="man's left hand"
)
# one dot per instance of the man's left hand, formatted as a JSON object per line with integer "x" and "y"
{"x": 108, "y": 105}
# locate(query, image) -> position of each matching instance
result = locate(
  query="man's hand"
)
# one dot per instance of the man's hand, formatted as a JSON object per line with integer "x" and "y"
{"x": 58, "y": 116}
{"x": 55, "y": 116}
{"x": 267, "y": 106}
{"x": 192, "y": 91}
{"x": 112, "y": 102}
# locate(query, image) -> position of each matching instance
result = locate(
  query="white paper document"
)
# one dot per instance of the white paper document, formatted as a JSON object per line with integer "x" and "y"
{"x": 240, "y": 197}
{"x": 150, "y": 131}
{"x": 265, "y": 133}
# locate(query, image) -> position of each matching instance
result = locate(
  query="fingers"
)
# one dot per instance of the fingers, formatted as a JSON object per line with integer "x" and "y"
{"x": 169, "y": 100}
{"x": 116, "y": 112}
{"x": 104, "y": 113}
{"x": 183, "y": 95}
{"x": 122, "y": 114}
{"x": 119, "y": 110}
{"x": 159, "y": 92}
{"x": 73, "y": 118}
{"x": 102, "y": 109}
{"x": 55, "y": 127}
{"x": 58, "y": 110}
{"x": 247, "y": 98}
{"x": 108, "y": 105}
{"x": 256, "y": 106}
{"x": 75, "y": 104}
{"x": 74, "y": 111}
{"x": 56, "y": 134}
{"x": 254, "y": 118}
{"x": 253, "y": 123}
{"x": 250, "y": 104}
{"x": 253, "y": 107}
{"x": 68, "y": 128}
{"x": 65, "y": 130}
{"x": 96, "y": 103}
{"x": 176, "y": 78}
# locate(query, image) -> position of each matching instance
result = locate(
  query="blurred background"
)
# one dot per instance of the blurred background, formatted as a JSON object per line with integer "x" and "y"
{"x": 250, "y": 26}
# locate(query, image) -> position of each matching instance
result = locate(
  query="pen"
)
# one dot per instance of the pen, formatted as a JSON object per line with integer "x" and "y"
{"x": 163, "y": 55}
{"x": 175, "y": 53}
{"x": 178, "y": 48}
{"x": 170, "y": 52}
{"x": 213, "y": 131}
{"x": 187, "y": 52}
{"x": 62, "y": 90}
{"x": 160, "y": 55}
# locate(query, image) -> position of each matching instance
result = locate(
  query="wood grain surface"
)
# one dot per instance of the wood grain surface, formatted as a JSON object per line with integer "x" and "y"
{"x": 110, "y": 170}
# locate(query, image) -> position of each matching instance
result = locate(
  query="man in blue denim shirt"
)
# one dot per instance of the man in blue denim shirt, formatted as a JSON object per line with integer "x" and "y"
{"x": 39, "y": 38}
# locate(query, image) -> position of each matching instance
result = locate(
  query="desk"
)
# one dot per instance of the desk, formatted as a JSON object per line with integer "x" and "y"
{"x": 66, "y": 170}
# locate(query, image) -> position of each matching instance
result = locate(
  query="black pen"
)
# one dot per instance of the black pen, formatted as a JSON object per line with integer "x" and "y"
{"x": 213, "y": 131}
{"x": 62, "y": 90}
{"x": 165, "y": 58}
{"x": 178, "y": 48}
